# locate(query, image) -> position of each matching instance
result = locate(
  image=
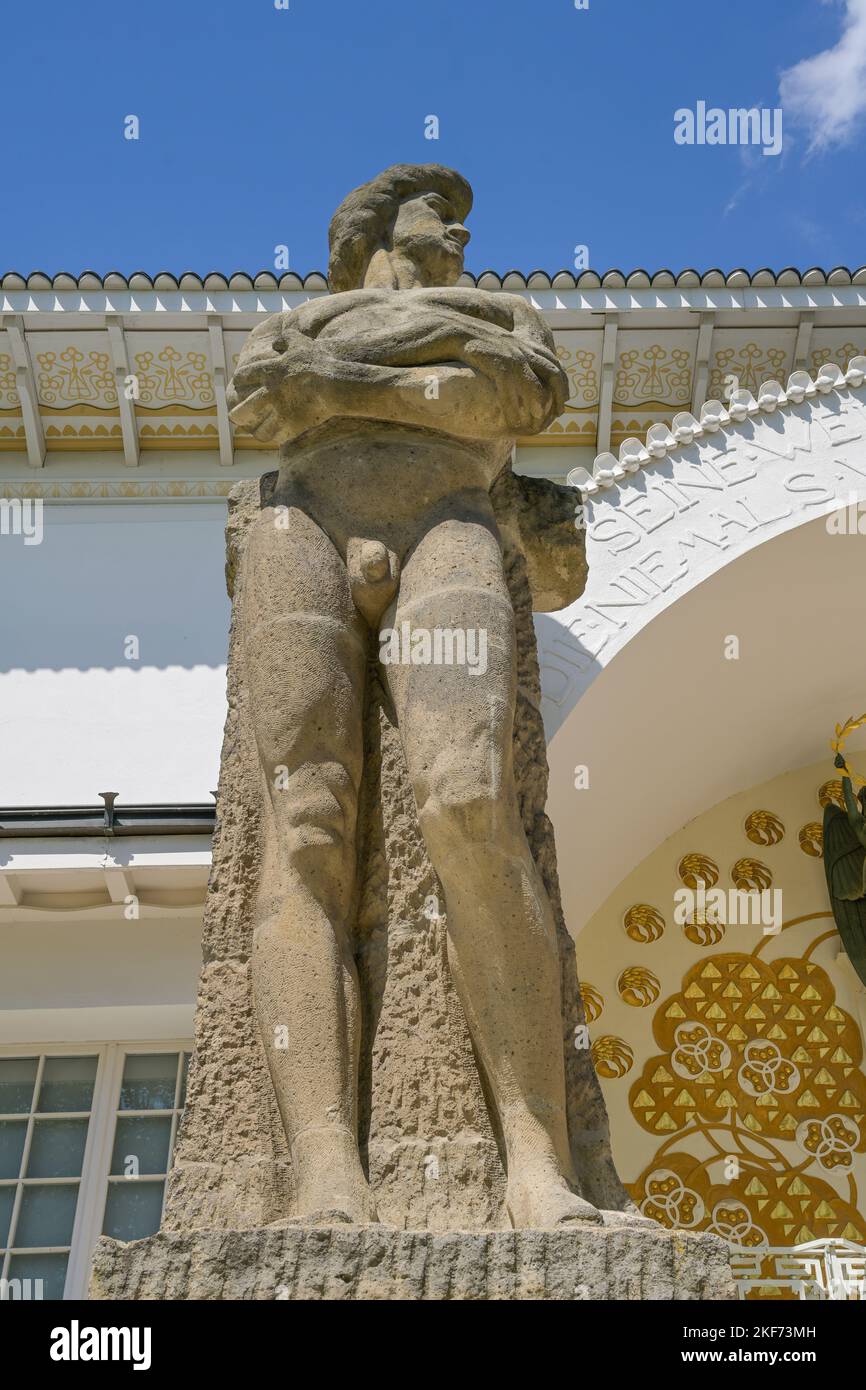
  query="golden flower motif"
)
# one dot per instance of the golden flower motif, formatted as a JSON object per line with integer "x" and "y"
{"x": 697, "y": 869}
{"x": 698, "y": 1050}
{"x": 831, "y": 792}
{"x": 643, "y": 923}
{"x": 765, "y": 1071}
{"x": 670, "y": 1202}
{"x": 811, "y": 839}
{"x": 750, "y": 875}
{"x": 593, "y": 1001}
{"x": 638, "y": 986}
{"x": 612, "y": 1056}
{"x": 764, "y": 828}
{"x": 831, "y": 1140}
{"x": 733, "y": 1221}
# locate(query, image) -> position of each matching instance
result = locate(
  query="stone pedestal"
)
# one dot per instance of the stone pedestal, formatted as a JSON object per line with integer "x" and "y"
{"x": 373, "y": 1262}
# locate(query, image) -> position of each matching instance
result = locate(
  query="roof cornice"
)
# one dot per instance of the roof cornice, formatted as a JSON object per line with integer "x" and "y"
{"x": 638, "y": 279}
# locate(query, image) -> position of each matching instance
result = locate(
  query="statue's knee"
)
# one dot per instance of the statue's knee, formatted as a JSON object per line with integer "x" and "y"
{"x": 315, "y": 809}
{"x": 458, "y": 817}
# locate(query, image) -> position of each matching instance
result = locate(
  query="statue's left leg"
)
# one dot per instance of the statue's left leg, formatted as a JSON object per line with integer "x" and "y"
{"x": 456, "y": 725}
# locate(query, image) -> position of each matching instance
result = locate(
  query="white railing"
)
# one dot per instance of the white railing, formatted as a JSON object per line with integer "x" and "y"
{"x": 831, "y": 1269}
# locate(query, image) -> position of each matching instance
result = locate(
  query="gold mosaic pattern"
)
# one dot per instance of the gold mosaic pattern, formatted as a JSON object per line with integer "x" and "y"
{"x": 755, "y": 1090}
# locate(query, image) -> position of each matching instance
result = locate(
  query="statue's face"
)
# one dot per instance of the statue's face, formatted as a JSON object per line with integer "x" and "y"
{"x": 428, "y": 232}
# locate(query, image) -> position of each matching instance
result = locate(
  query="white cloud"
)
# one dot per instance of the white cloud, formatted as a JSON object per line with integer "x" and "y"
{"x": 827, "y": 93}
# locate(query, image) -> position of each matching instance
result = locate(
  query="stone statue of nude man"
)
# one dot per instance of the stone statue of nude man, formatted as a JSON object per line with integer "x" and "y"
{"x": 396, "y": 401}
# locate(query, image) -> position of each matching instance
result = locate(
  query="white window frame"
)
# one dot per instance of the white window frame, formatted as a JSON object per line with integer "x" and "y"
{"x": 93, "y": 1187}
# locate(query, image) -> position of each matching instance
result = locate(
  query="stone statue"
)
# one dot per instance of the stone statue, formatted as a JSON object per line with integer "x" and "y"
{"x": 845, "y": 867}
{"x": 396, "y": 402}
{"x": 390, "y": 1094}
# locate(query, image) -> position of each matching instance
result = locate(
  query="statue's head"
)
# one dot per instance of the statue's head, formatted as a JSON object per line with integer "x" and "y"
{"x": 409, "y": 216}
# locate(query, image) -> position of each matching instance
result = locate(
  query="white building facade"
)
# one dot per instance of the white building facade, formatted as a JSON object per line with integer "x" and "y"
{"x": 689, "y": 696}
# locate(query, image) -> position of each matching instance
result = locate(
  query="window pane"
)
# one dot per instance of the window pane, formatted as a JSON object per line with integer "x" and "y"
{"x": 46, "y": 1215}
{"x": 184, "y": 1078}
{"x": 145, "y": 1140}
{"x": 12, "y": 1134}
{"x": 51, "y": 1269}
{"x": 149, "y": 1082}
{"x": 17, "y": 1075}
{"x": 7, "y": 1199}
{"x": 67, "y": 1083}
{"x": 133, "y": 1209}
{"x": 57, "y": 1148}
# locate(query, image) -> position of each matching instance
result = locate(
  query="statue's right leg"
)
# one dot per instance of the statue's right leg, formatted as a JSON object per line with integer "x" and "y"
{"x": 305, "y": 660}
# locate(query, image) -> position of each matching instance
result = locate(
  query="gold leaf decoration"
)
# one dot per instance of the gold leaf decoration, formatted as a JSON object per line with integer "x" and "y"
{"x": 612, "y": 1056}
{"x": 811, "y": 839}
{"x": 750, "y": 875}
{"x": 643, "y": 923}
{"x": 697, "y": 869}
{"x": 764, "y": 828}
{"x": 638, "y": 986}
{"x": 593, "y": 1001}
{"x": 702, "y": 930}
{"x": 831, "y": 792}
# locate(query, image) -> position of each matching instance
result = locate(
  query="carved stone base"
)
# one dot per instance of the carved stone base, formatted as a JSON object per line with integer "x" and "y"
{"x": 377, "y": 1263}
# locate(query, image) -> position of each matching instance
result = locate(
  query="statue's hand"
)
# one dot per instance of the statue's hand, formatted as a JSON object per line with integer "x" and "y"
{"x": 530, "y": 384}
{"x": 839, "y": 761}
{"x": 275, "y": 384}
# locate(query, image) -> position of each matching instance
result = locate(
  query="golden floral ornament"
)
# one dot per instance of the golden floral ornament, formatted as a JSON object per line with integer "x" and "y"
{"x": 698, "y": 870}
{"x": 9, "y": 398}
{"x": 832, "y": 1140}
{"x": 751, "y": 876}
{"x": 697, "y": 1050}
{"x": 811, "y": 839}
{"x": 612, "y": 1056}
{"x": 670, "y": 1202}
{"x": 593, "y": 1001}
{"x": 581, "y": 368}
{"x": 638, "y": 986}
{"x": 653, "y": 375}
{"x": 73, "y": 377}
{"x": 171, "y": 378}
{"x": 643, "y": 923}
{"x": 764, "y": 828}
{"x": 750, "y": 364}
{"x": 765, "y": 1070}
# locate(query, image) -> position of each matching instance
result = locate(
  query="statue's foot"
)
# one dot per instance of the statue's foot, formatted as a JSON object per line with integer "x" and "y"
{"x": 331, "y": 1185}
{"x": 540, "y": 1199}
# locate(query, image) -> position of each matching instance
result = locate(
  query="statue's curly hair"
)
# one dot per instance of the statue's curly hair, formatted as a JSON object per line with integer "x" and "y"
{"x": 363, "y": 221}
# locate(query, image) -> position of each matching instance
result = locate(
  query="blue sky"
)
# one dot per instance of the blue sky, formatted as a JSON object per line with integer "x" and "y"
{"x": 254, "y": 122}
